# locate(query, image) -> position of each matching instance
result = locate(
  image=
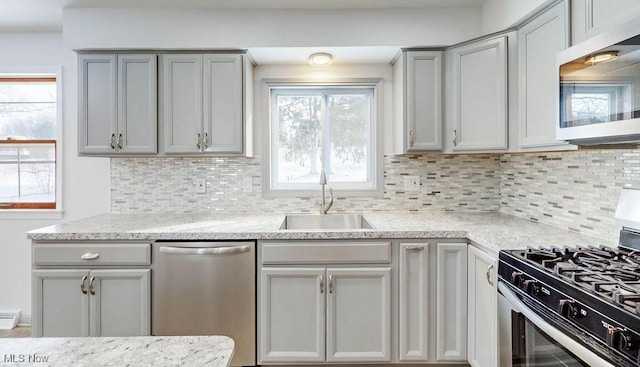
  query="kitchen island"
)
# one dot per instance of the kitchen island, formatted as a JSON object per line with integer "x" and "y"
{"x": 214, "y": 351}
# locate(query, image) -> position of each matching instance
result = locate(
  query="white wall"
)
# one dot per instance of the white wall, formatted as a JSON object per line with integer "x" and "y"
{"x": 85, "y": 183}
{"x": 215, "y": 28}
{"x": 498, "y": 15}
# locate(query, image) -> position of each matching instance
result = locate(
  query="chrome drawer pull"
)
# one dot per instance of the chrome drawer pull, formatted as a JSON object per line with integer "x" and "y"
{"x": 90, "y": 256}
{"x": 82, "y": 289}
{"x": 415, "y": 248}
{"x": 489, "y": 275}
{"x": 91, "y": 290}
{"x": 330, "y": 283}
{"x": 321, "y": 284}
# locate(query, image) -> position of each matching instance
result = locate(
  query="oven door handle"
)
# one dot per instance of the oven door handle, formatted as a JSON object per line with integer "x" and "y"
{"x": 571, "y": 345}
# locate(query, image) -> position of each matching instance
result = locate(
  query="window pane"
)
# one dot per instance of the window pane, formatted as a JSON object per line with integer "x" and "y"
{"x": 8, "y": 182}
{"x": 349, "y": 124}
{"x": 28, "y": 110}
{"x": 37, "y": 183}
{"x": 299, "y": 143}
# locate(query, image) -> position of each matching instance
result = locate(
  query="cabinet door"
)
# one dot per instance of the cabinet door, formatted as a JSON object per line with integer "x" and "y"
{"x": 96, "y": 103}
{"x": 591, "y": 17}
{"x": 358, "y": 315}
{"x": 137, "y": 104}
{"x": 483, "y": 311}
{"x": 414, "y": 301}
{"x": 120, "y": 303}
{"x": 292, "y": 315}
{"x": 60, "y": 308}
{"x": 223, "y": 117}
{"x": 480, "y": 96}
{"x": 182, "y": 103}
{"x": 423, "y": 100}
{"x": 451, "y": 280}
{"x": 538, "y": 43}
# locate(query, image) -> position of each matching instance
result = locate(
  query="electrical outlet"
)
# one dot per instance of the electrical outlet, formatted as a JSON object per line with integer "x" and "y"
{"x": 247, "y": 184}
{"x": 201, "y": 185}
{"x": 412, "y": 183}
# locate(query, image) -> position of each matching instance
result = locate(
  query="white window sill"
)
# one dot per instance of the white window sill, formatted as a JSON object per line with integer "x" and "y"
{"x": 31, "y": 214}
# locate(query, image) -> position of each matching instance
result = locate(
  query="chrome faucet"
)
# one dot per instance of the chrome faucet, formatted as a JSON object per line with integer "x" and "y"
{"x": 323, "y": 181}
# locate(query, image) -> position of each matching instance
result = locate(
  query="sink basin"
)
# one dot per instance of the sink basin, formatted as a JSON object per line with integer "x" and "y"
{"x": 318, "y": 222}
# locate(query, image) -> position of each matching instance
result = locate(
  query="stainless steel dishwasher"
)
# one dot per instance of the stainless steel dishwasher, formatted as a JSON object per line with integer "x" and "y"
{"x": 206, "y": 288}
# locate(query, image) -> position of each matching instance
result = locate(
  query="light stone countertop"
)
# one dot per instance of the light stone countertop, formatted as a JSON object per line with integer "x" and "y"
{"x": 493, "y": 231}
{"x": 213, "y": 351}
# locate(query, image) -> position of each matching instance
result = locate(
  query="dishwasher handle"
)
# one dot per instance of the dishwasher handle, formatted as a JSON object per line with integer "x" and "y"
{"x": 170, "y": 250}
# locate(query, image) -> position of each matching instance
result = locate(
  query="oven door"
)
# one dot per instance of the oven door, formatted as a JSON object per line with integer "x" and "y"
{"x": 527, "y": 340}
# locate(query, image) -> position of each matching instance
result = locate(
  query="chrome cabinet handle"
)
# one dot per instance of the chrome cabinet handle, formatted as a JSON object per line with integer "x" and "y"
{"x": 455, "y": 138}
{"x": 415, "y": 248}
{"x": 119, "y": 141}
{"x": 412, "y": 138}
{"x": 489, "y": 274}
{"x": 111, "y": 141}
{"x": 91, "y": 290}
{"x": 90, "y": 256}
{"x": 204, "y": 141}
{"x": 198, "y": 141}
{"x": 321, "y": 283}
{"x": 82, "y": 289}
{"x": 204, "y": 250}
{"x": 330, "y": 283}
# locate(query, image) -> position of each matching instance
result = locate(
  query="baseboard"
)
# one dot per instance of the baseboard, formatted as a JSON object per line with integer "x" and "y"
{"x": 25, "y": 319}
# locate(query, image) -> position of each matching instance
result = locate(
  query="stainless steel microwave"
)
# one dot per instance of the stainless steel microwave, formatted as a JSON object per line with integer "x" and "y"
{"x": 599, "y": 88}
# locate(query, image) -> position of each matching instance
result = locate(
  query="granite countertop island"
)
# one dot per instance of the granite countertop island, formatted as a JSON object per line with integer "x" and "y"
{"x": 493, "y": 231}
{"x": 212, "y": 351}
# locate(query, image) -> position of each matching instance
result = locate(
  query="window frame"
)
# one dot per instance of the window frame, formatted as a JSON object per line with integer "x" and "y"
{"x": 376, "y": 144}
{"x": 21, "y": 210}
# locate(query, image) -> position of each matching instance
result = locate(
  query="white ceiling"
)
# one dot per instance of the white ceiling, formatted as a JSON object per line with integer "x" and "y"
{"x": 46, "y": 15}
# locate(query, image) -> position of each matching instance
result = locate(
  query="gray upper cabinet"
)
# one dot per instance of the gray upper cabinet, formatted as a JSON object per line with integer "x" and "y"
{"x": 591, "y": 17}
{"x": 202, "y": 103}
{"x": 538, "y": 42}
{"x": 478, "y": 115}
{"x": 418, "y": 101}
{"x": 181, "y": 102}
{"x": 117, "y": 104}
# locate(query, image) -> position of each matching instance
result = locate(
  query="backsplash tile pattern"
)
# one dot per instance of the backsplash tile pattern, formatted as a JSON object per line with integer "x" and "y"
{"x": 448, "y": 182}
{"x": 576, "y": 190}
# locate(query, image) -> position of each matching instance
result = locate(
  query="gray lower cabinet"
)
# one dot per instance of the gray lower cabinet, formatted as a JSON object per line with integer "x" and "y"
{"x": 81, "y": 302}
{"x": 451, "y": 299}
{"x": 117, "y": 104}
{"x": 482, "y": 310}
{"x": 295, "y": 321}
{"x": 202, "y": 103}
{"x": 415, "y": 301}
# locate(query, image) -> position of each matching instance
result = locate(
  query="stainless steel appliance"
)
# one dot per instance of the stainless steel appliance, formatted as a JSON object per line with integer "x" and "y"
{"x": 562, "y": 306}
{"x": 206, "y": 288}
{"x": 599, "y": 88}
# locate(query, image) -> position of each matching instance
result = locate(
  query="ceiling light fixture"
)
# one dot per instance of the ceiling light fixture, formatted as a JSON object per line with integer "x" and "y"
{"x": 321, "y": 59}
{"x": 601, "y": 57}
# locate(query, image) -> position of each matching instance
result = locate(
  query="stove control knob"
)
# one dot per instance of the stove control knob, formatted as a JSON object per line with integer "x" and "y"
{"x": 568, "y": 308}
{"x": 532, "y": 287}
{"x": 616, "y": 338}
{"x": 517, "y": 278}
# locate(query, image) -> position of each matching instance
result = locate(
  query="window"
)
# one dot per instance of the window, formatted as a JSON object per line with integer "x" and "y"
{"x": 28, "y": 115}
{"x": 323, "y": 127}
{"x": 590, "y": 103}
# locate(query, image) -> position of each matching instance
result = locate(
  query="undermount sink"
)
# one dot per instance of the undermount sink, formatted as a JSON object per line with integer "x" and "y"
{"x": 319, "y": 222}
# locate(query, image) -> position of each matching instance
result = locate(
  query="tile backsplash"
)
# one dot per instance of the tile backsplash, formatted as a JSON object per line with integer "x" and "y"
{"x": 448, "y": 182}
{"x": 575, "y": 190}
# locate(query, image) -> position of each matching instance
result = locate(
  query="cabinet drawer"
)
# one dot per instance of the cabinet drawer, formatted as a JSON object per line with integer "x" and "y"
{"x": 351, "y": 252}
{"x": 92, "y": 254}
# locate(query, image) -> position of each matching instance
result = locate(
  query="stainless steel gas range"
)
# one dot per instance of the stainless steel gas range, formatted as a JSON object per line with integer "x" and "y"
{"x": 563, "y": 306}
